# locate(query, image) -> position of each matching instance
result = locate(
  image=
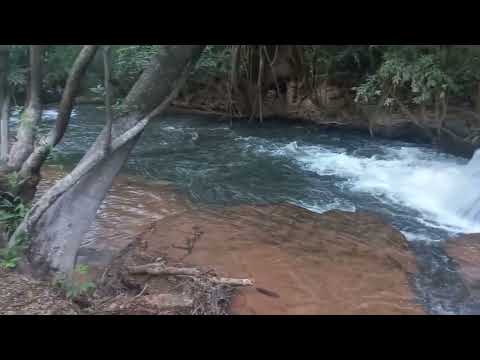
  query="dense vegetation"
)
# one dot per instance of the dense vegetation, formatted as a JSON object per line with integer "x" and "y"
{"x": 394, "y": 78}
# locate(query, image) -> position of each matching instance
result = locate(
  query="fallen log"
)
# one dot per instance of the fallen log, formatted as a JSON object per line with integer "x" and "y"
{"x": 160, "y": 269}
{"x": 232, "y": 282}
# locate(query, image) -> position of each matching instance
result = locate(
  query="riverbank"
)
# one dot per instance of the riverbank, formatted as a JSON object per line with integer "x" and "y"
{"x": 460, "y": 134}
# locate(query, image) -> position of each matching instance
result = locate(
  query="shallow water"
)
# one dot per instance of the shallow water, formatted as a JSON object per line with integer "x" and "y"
{"x": 424, "y": 193}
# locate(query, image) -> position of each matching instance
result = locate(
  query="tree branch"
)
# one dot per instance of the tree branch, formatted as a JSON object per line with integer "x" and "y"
{"x": 72, "y": 86}
{"x": 108, "y": 97}
{"x": 35, "y": 160}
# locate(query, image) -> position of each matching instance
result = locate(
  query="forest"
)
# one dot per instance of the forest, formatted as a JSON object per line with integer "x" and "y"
{"x": 392, "y": 95}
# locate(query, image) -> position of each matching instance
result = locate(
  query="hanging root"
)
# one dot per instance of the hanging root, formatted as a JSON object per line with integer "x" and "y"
{"x": 260, "y": 83}
{"x": 251, "y": 65}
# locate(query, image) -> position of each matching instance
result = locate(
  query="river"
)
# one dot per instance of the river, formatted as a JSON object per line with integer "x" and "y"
{"x": 424, "y": 193}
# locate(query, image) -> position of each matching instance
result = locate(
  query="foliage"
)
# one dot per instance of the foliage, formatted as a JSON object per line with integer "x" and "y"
{"x": 463, "y": 65}
{"x": 18, "y": 69}
{"x": 128, "y": 61}
{"x": 417, "y": 74}
{"x": 12, "y": 181}
{"x": 12, "y": 212}
{"x": 215, "y": 61}
{"x": 58, "y": 60}
{"x": 406, "y": 74}
{"x": 213, "y": 64}
{"x": 77, "y": 284}
{"x": 10, "y": 256}
{"x": 337, "y": 62}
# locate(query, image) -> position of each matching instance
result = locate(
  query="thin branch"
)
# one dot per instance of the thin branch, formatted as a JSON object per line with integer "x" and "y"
{"x": 275, "y": 55}
{"x": 72, "y": 87}
{"x": 272, "y": 68}
{"x": 259, "y": 84}
{"x": 108, "y": 97}
{"x": 41, "y": 151}
{"x": 412, "y": 117}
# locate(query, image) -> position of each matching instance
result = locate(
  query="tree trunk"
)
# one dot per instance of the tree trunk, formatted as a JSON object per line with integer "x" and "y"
{"x": 57, "y": 223}
{"x": 4, "y": 116}
{"x": 31, "y": 166}
{"x": 477, "y": 99}
{"x": 30, "y": 117}
{"x": 108, "y": 98}
{"x": 4, "y": 103}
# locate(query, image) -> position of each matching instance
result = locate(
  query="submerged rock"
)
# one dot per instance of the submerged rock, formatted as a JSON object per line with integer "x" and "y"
{"x": 301, "y": 262}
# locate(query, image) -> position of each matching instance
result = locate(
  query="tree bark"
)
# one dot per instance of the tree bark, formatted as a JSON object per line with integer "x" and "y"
{"x": 30, "y": 117}
{"x": 57, "y": 223}
{"x": 4, "y": 102}
{"x": 4, "y": 116}
{"x": 31, "y": 166}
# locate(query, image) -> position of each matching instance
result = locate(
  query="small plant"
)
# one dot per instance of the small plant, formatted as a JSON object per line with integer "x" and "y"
{"x": 12, "y": 181}
{"x": 77, "y": 284}
{"x": 10, "y": 255}
{"x": 12, "y": 212}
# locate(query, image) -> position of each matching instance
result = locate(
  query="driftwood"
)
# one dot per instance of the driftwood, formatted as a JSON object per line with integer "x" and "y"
{"x": 231, "y": 282}
{"x": 161, "y": 269}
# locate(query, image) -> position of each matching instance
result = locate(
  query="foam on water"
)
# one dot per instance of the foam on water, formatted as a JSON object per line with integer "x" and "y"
{"x": 47, "y": 114}
{"x": 337, "y": 204}
{"x": 443, "y": 189}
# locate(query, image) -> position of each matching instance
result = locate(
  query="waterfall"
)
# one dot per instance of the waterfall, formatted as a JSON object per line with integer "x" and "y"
{"x": 471, "y": 209}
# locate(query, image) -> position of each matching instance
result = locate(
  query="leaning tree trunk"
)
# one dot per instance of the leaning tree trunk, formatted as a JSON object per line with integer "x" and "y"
{"x": 56, "y": 224}
{"x": 28, "y": 171}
